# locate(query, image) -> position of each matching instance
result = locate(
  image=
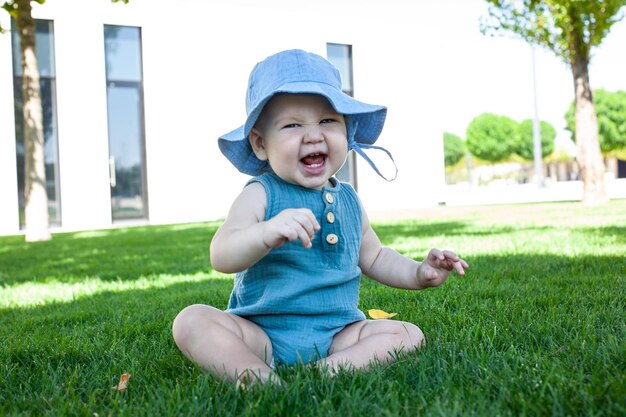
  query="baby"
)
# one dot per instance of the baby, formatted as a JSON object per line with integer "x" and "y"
{"x": 298, "y": 239}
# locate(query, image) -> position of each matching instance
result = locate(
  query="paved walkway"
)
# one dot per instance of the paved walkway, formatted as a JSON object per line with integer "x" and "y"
{"x": 463, "y": 195}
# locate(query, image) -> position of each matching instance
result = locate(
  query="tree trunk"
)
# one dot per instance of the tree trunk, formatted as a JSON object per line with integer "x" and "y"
{"x": 589, "y": 156}
{"x": 35, "y": 196}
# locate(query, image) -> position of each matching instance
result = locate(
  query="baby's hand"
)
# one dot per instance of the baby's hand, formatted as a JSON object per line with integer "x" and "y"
{"x": 290, "y": 225}
{"x": 437, "y": 267}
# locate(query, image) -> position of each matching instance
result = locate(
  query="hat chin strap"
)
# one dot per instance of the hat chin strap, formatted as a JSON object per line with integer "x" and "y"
{"x": 358, "y": 148}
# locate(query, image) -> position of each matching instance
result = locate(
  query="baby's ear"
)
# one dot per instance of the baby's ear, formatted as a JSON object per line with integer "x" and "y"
{"x": 256, "y": 141}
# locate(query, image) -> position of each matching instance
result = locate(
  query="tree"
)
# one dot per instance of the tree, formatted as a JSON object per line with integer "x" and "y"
{"x": 570, "y": 29}
{"x": 491, "y": 137}
{"x": 524, "y": 145}
{"x": 611, "y": 112}
{"x": 35, "y": 195}
{"x": 453, "y": 149}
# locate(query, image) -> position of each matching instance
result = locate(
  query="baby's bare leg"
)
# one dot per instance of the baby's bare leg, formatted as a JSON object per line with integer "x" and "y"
{"x": 361, "y": 342}
{"x": 223, "y": 344}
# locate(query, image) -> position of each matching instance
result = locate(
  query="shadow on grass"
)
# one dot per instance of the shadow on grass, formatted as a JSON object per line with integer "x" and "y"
{"x": 396, "y": 231}
{"x": 131, "y": 253}
{"x": 392, "y": 231}
{"x": 487, "y": 327}
{"x": 617, "y": 233}
{"x": 115, "y": 254}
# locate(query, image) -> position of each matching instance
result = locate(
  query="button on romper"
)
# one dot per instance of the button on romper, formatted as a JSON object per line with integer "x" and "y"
{"x": 302, "y": 297}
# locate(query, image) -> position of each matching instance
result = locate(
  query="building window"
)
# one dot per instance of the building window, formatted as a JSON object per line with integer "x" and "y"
{"x": 44, "y": 41}
{"x": 125, "y": 111}
{"x": 340, "y": 56}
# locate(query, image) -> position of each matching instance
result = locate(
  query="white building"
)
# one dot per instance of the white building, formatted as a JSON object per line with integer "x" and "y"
{"x": 145, "y": 89}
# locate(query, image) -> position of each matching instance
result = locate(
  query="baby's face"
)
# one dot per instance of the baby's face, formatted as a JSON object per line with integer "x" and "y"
{"x": 303, "y": 138}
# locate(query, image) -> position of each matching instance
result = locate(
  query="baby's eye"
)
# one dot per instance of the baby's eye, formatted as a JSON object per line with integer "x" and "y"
{"x": 291, "y": 126}
{"x": 324, "y": 121}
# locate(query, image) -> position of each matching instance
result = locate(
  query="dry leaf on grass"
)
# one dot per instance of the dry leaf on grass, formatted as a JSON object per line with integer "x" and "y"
{"x": 380, "y": 314}
{"x": 121, "y": 386}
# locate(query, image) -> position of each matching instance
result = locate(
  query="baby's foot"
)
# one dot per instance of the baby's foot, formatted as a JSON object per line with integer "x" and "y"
{"x": 331, "y": 369}
{"x": 248, "y": 379}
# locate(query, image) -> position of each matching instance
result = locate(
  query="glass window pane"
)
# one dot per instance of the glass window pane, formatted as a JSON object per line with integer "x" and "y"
{"x": 341, "y": 57}
{"x": 125, "y": 151}
{"x": 15, "y": 43}
{"x": 125, "y": 122}
{"x": 48, "y": 97}
{"x": 124, "y": 128}
{"x": 44, "y": 47}
{"x": 123, "y": 53}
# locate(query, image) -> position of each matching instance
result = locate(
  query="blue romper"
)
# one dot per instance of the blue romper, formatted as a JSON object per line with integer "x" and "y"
{"x": 302, "y": 297}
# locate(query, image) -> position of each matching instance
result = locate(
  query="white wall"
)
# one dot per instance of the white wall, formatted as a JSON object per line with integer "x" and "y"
{"x": 196, "y": 67}
{"x": 402, "y": 70}
{"x": 82, "y": 113}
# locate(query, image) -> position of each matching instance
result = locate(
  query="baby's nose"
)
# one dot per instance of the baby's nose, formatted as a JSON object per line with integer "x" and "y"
{"x": 313, "y": 133}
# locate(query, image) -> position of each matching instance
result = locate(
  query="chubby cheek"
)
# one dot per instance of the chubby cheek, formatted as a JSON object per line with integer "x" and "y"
{"x": 340, "y": 152}
{"x": 285, "y": 156}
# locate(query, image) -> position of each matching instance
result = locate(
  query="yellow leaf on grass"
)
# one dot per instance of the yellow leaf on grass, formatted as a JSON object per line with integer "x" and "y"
{"x": 121, "y": 386}
{"x": 380, "y": 315}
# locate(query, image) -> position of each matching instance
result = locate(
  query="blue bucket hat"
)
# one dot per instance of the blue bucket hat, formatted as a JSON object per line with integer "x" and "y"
{"x": 299, "y": 72}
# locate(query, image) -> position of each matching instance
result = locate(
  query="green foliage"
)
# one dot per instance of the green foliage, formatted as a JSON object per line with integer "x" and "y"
{"x": 11, "y": 8}
{"x": 568, "y": 28}
{"x": 491, "y": 137}
{"x": 524, "y": 146}
{"x": 453, "y": 148}
{"x": 611, "y": 113}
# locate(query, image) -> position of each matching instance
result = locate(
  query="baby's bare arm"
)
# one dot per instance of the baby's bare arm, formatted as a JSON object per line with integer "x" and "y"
{"x": 245, "y": 237}
{"x": 389, "y": 267}
{"x": 384, "y": 264}
{"x": 238, "y": 243}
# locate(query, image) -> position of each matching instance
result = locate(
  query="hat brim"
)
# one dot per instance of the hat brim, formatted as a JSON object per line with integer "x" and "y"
{"x": 370, "y": 119}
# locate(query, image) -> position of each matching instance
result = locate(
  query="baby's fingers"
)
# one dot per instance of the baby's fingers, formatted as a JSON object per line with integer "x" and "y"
{"x": 458, "y": 267}
{"x": 309, "y": 222}
{"x": 305, "y": 237}
{"x": 449, "y": 255}
{"x": 447, "y": 260}
{"x": 302, "y": 225}
{"x": 308, "y": 225}
{"x": 436, "y": 256}
{"x": 454, "y": 262}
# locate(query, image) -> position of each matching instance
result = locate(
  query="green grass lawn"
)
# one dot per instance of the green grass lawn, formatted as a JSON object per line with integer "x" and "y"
{"x": 536, "y": 327}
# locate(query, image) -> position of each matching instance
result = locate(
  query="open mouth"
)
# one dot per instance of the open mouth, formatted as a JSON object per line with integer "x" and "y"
{"x": 314, "y": 163}
{"x": 314, "y": 160}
